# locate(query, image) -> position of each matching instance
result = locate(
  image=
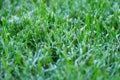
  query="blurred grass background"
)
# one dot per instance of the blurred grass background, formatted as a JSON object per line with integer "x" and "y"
{"x": 60, "y": 40}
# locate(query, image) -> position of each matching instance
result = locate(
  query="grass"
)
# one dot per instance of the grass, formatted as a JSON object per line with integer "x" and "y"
{"x": 60, "y": 40}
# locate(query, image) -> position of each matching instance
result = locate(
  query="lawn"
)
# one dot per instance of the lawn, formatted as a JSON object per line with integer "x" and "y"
{"x": 59, "y": 39}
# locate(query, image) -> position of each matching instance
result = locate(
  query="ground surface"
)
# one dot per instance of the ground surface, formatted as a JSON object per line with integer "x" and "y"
{"x": 60, "y": 40}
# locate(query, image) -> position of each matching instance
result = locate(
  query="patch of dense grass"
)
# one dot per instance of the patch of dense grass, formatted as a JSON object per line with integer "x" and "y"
{"x": 60, "y": 40}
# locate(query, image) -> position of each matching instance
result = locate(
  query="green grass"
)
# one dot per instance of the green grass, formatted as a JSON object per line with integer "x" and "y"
{"x": 60, "y": 40}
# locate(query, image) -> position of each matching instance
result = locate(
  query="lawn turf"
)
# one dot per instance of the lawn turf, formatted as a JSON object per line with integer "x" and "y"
{"x": 60, "y": 40}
